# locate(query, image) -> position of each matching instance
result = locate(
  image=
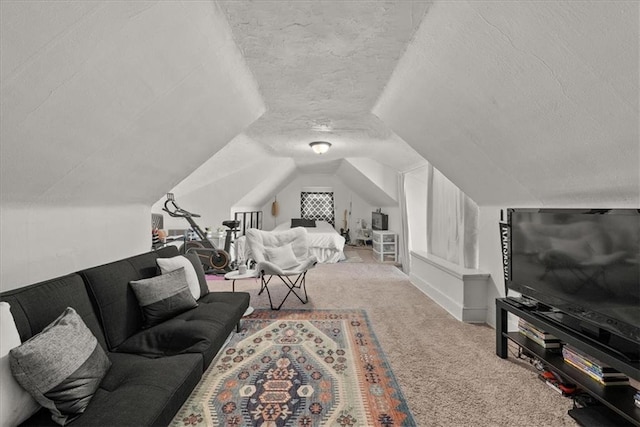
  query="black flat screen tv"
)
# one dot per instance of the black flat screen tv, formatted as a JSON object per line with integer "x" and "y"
{"x": 584, "y": 265}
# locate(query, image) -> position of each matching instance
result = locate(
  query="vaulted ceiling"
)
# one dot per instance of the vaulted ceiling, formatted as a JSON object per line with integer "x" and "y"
{"x": 321, "y": 67}
{"x": 516, "y": 102}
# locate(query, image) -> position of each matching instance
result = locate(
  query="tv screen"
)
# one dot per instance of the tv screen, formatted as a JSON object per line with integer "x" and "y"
{"x": 379, "y": 221}
{"x": 584, "y": 263}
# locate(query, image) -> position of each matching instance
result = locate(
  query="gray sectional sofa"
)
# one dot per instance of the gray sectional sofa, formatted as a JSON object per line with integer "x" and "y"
{"x": 153, "y": 370}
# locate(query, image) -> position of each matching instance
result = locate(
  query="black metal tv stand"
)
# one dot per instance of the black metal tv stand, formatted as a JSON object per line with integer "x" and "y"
{"x": 618, "y": 399}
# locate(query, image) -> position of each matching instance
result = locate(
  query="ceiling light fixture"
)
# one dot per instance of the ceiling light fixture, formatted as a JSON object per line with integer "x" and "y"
{"x": 320, "y": 147}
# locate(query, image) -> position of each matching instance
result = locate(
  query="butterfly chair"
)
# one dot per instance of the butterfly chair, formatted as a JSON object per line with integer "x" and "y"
{"x": 283, "y": 254}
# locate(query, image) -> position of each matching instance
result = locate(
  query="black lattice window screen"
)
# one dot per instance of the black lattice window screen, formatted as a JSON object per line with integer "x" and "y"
{"x": 318, "y": 206}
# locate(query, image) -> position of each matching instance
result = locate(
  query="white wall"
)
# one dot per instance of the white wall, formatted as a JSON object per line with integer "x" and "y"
{"x": 289, "y": 201}
{"x": 40, "y": 242}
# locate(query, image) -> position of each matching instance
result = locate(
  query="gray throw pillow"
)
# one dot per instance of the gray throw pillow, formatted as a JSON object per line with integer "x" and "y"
{"x": 61, "y": 367}
{"x": 162, "y": 297}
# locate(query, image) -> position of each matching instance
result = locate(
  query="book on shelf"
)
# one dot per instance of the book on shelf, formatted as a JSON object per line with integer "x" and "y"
{"x": 602, "y": 370}
{"x": 541, "y": 342}
{"x": 604, "y": 375}
{"x": 523, "y": 324}
{"x": 539, "y": 337}
{"x": 623, "y": 380}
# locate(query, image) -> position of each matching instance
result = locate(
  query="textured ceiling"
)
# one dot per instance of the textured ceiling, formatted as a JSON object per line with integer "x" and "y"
{"x": 324, "y": 64}
{"x": 115, "y": 102}
{"x": 514, "y": 101}
{"x": 526, "y": 102}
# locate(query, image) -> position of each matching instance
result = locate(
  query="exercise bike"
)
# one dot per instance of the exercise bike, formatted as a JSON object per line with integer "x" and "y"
{"x": 213, "y": 259}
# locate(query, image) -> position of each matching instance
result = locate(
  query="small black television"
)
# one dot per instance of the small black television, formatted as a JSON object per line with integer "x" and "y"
{"x": 583, "y": 267}
{"x": 379, "y": 221}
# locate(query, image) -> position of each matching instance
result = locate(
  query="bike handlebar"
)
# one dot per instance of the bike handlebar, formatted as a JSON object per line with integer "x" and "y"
{"x": 177, "y": 210}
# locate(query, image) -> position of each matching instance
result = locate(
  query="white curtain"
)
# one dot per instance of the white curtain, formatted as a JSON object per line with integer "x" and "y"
{"x": 452, "y": 222}
{"x": 404, "y": 243}
{"x": 470, "y": 250}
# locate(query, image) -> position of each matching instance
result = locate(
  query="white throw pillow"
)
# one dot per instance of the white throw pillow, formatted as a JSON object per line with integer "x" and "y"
{"x": 168, "y": 265}
{"x": 282, "y": 256}
{"x": 16, "y": 404}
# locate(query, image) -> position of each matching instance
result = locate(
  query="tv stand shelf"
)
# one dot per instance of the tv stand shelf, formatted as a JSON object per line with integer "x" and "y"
{"x": 617, "y": 398}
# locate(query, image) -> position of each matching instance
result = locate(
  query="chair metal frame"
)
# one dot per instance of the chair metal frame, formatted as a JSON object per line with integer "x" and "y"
{"x": 299, "y": 283}
{"x": 293, "y": 277}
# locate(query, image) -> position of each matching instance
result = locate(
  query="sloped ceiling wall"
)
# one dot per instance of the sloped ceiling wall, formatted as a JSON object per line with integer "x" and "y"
{"x": 524, "y": 102}
{"x": 105, "y": 106}
{"x": 115, "y": 102}
{"x": 240, "y": 153}
{"x": 372, "y": 181}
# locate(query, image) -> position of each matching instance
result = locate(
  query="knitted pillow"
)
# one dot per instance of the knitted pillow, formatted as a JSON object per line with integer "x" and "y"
{"x": 61, "y": 367}
{"x": 162, "y": 297}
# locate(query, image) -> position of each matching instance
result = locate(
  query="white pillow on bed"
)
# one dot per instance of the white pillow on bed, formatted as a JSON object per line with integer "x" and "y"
{"x": 282, "y": 256}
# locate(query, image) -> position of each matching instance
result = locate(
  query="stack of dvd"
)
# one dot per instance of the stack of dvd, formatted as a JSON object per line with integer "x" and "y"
{"x": 605, "y": 375}
{"x": 543, "y": 338}
{"x": 636, "y": 398}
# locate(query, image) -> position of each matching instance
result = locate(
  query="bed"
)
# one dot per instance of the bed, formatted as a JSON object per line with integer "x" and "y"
{"x": 324, "y": 241}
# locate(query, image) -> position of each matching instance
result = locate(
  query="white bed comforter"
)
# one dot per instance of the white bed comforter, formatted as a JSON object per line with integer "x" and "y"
{"x": 325, "y": 243}
{"x": 323, "y": 235}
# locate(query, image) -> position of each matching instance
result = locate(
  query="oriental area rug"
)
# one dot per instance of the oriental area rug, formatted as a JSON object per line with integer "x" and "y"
{"x": 298, "y": 368}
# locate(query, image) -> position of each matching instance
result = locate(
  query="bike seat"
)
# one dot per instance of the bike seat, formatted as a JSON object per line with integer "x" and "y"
{"x": 231, "y": 223}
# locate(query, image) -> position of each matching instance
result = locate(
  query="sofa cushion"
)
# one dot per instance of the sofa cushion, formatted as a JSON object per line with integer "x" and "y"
{"x": 162, "y": 297}
{"x": 16, "y": 404}
{"x": 61, "y": 367}
{"x": 202, "y": 330}
{"x": 115, "y": 301}
{"x": 138, "y": 391}
{"x": 36, "y": 306}
{"x": 171, "y": 264}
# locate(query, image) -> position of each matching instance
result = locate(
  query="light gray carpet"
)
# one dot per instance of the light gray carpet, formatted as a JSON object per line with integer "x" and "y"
{"x": 448, "y": 370}
{"x": 352, "y": 255}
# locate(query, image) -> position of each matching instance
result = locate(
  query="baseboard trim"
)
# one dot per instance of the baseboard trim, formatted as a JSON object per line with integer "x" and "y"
{"x": 460, "y": 291}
